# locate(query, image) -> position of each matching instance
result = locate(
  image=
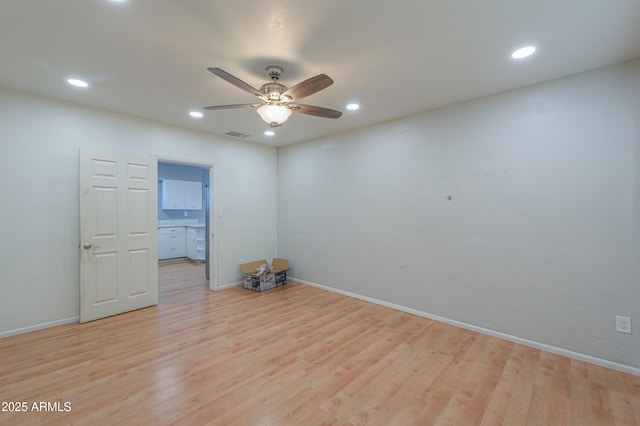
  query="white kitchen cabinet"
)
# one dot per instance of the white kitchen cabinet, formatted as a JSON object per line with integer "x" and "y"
{"x": 181, "y": 195}
{"x": 172, "y": 194}
{"x": 192, "y": 195}
{"x": 196, "y": 243}
{"x": 172, "y": 242}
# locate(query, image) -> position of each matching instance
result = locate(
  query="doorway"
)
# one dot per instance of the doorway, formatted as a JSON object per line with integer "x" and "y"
{"x": 187, "y": 232}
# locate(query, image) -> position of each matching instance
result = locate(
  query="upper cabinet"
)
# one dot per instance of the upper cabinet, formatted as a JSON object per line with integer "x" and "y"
{"x": 181, "y": 195}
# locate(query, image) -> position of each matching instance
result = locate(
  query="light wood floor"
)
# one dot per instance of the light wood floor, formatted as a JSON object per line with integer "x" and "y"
{"x": 296, "y": 355}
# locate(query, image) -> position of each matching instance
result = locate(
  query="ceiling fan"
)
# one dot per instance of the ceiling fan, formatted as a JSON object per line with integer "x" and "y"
{"x": 277, "y": 102}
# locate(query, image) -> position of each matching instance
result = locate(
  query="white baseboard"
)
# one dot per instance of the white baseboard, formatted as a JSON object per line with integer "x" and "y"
{"x": 42, "y": 326}
{"x": 222, "y": 287}
{"x": 525, "y": 342}
{"x": 35, "y": 327}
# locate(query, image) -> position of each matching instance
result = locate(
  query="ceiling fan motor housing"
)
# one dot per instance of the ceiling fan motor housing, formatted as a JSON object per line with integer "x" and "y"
{"x": 273, "y": 90}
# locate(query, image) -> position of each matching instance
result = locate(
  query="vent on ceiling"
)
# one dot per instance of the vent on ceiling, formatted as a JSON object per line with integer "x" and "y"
{"x": 237, "y": 134}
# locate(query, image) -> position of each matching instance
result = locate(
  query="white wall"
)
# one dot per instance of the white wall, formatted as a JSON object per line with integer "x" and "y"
{"x": 539, "y": 239}
{"x": 39, "y": 230}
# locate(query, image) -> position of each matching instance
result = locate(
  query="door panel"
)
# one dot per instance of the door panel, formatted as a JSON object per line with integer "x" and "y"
{"x": 106, "y": 278}
{"x": 118, "y": 231}
{"x": 138, "y": 212}
{"x": 104, "y": 202}
{"x": 139, "y": 272}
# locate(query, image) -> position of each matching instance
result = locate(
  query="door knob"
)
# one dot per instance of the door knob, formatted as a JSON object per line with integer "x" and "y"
{"x": 87, "y": 246}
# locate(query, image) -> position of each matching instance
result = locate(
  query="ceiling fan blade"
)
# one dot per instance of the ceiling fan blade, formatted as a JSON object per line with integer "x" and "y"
{"x": 235, "y": 81}
{"x": 308, "y": 87}
{"x": 315, "y": 110}
{"x": 211, "y": 108}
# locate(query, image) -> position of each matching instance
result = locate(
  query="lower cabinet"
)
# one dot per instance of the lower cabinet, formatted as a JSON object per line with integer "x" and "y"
{"x": 172, "y": 242}
{"x": 182, "y": 241}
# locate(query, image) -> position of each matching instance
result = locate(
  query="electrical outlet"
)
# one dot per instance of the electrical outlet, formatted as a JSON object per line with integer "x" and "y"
{"x": 623, "y": 324}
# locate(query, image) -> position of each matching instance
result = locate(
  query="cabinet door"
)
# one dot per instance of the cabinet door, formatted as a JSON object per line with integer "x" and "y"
{"x": 192, "y": 195}
{"x": 164, "y": 248}
{"x": 172, "y": 243}
{"x": 172, "y": 195}
{"x": 191, "y": 243}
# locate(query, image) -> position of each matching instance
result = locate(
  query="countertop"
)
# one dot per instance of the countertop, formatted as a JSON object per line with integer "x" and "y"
{"x": 187, "y": 225}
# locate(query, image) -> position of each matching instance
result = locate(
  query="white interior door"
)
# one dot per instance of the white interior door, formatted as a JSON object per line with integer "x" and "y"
{"x": 118, "y": 234}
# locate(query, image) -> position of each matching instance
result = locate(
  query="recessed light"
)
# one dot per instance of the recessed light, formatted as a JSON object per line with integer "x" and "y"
{"x": 196, "y": 114}
{"x": 523, "y": 52}
{"x": 77, "y": 83}
{"x": 353, "y": 107}
{"x": 269, "y": 133}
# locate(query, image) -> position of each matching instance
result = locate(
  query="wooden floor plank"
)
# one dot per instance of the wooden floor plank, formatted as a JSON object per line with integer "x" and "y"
{"x": 295, "y": 355}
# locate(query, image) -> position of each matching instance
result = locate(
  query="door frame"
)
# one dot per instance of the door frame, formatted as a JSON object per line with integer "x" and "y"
{"x": 213, "y": 217}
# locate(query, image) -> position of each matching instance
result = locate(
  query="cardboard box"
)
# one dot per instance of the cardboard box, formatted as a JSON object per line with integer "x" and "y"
{"x": 276, "y": 278}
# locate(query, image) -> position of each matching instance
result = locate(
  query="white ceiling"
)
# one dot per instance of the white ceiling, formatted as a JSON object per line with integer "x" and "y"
{"x": 148, "y": 58}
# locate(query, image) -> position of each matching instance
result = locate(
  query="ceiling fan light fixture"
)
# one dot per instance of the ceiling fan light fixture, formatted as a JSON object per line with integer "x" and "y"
{"x": 273, "y": 113}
